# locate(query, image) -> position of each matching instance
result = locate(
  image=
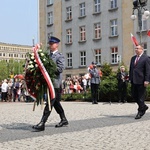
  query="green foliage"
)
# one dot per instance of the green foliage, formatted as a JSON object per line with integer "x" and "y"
{"x": 77, "y": 96}
{"x": 12, "y": 67}
{"x": 107, "y": 70}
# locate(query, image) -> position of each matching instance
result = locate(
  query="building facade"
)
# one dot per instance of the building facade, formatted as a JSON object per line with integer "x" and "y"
{"x": 91, "y": 30}
{"x": 13, "y": 51}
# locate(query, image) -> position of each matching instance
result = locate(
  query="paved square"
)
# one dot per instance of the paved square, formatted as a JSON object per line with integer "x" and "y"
{"x": 91, "y": 127}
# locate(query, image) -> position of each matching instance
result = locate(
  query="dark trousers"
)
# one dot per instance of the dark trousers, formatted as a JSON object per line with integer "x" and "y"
{"x": 94, "y": 92}
{"x": 54, "y": 103}
{"x": 122, "y": 91}
{"x": 138, "y": 94}
{"x": 4, "y": 96}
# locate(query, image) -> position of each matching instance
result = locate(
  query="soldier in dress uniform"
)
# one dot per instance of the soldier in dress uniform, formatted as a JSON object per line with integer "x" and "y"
{"x": 95, "y": 81}
{"x": 58, "y": 58}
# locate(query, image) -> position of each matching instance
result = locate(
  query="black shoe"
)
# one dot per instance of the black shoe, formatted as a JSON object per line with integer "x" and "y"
{"x": 94, "y": 102}
{"x": 138, "y": 116}
{"x": 40, "y": 126}
{"x": 144, "y": 110}
{"x": 61, "y": 123}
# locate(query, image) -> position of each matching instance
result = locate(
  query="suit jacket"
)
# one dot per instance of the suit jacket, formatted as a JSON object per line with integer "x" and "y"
{"x": 59, "y": 59}
{"x": 141, "y": 71}
{"x": 122, "y": 77}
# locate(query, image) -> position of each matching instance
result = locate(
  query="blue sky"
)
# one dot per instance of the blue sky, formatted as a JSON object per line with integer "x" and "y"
{"x": 19, "y": 21}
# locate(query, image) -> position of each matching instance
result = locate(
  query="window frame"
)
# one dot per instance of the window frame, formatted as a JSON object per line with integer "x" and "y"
{"x": 114, "y": 55}
{"x": 69, "y": 36}
{"x": 82, "y": 33}
{"x": 69, "y": 13}
{"x": 98, "y": 55}
{"x": 83, "y": 58}
{"x": 97, "y": 6}
{"x": 82, "y": 9}
{"x": 113, "y": 27}
{"x": 69, "y": 60}
{"x": 50, "y": 18}
{"x": 113, "y": 4}
{"x": 97, "y": 30}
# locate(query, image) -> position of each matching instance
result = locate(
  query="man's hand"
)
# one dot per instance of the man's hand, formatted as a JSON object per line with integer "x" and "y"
{"x": 146, "y": 83}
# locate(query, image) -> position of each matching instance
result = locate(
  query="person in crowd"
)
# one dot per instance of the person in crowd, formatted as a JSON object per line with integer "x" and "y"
{"x": 67, "y": 86}
{"x": 84, "y": 82}
{"x": 9, "y": 94}
{"x": 4, "y": 89}
{"x": 139, "y": 76}
{"x": 122, "y": 78}
{"x": 95, "y": 82}
{"x": 15, "y": 89}
{"x": 0, "y": 91}
{"x": 59, "y": 59}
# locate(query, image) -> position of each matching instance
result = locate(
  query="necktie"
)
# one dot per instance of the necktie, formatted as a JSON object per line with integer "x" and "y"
{"x": 136, "y": 60}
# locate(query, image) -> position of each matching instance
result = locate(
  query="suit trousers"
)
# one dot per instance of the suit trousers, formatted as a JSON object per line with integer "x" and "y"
{"x": 138, "y": 94}
{"x": 54, "y": 103}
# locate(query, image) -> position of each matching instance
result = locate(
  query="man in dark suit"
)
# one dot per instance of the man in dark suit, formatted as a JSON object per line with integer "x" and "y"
{"x": 139, "y": 76}
{"x": 58, "y": 58}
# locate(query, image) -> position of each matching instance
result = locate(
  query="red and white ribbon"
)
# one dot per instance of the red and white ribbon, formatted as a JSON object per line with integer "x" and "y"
{"x": 44, "y": 72}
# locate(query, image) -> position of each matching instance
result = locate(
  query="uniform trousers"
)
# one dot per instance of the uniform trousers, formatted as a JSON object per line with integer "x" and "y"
{"x": 94, "y": 92}
{"x": 54, "y": 103}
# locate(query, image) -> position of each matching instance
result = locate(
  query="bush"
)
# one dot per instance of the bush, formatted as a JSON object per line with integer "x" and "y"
{"x": 108, "y": 89}
{"x": 77, "y": 96}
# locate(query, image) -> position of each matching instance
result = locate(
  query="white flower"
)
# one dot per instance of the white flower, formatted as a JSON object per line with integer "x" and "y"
{"x": 42, "y": 54}
{"x": 32, "y": 57}
{"x": 30, "y": 62}
{"x": 30, "y": 66}
{"x": 34, "y": 60}
{"x": 44, "y": 59}
{"x": 40, "y": 50}
{"x": 32, "y": 54}
{"x": 36, "y": 65}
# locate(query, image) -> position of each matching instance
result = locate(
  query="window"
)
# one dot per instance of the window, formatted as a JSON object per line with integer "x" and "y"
{"x": 114, "y": 54}
{"x": 144, "y": 25}
{"x": 113, "y": 27}
{"x": 82, "y": 33}
{"x": 97, "y": 6}
{"x": 69, "y": 13}
{"x": 98, "y": 56}
{"x": 69, "y": 60}
{"x": 82, "y": 9}
{"x": 50, "y": 18}
{"x": 82, "y": 58}
{"x": 49, "y": 2}
{"x": 97, "y": 30}
{"x": 113, "y": 4}
{"x": 49, "y": 35}
{"x": 69, "y": 36}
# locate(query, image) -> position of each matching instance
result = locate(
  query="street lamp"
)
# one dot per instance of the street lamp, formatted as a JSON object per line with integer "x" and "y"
{"x": 143, "y": 13}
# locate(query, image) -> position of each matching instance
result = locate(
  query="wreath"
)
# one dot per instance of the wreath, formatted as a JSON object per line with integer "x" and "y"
{"x": 39, "y": 74}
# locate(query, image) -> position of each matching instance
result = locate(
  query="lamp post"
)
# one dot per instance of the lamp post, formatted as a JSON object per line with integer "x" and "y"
{"x": 143, "y": 13}
{"x": 33, "y": 42}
